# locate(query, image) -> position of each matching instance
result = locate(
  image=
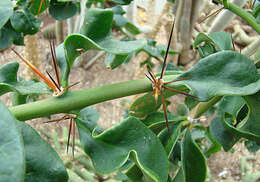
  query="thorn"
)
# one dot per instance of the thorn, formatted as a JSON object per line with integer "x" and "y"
{"x": 165, "y": 112}
{"x": 177, "y": 91}
{"x": 167, "y": 50}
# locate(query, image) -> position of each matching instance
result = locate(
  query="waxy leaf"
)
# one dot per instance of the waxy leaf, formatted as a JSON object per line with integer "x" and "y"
{"x": 42, "y": 162}
{"x": 6, "y": 11}
{"x": 24, "y": 21}
{"x": 9, "y": 83}
{"x": 8, "y": 36}
{"x": 170, "y": 139}
{"x": 122, "y": 2}
{"x": 38, "y": 6}
{"x": 193, "y": 161}
{"x": 130, "y": 138}
{"x": 228, "y": 130}
{"x": 112, "y": 61}
{"x": 62, "y": 10}
{"x": 224, "y": 136}
{"x": 214, "y": 42}
{"x": 96, "y": 34}
{"x": 222, "y": 73}
{"x": 145, "y": 104}
{"x": 156, "y": 121}
{"x": 12, "y": 161}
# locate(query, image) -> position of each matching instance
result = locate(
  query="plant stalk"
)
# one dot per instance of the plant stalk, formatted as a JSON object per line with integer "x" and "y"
{"x": 203, "y": 107}
{"x": 243, "y": 14}
{"x": 80, "y": 99}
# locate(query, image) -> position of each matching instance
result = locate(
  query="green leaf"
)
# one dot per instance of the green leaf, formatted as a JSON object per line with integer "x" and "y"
{"x": 8, "y": 36}
{"x": 42, "y": 162}
{"x": 156, "y": 121}
{"x": 170, "y": 139}
{"x": 122, "y": 2}
{"x": 12, "y": 161}
{"x": 38, "y": 6}
{"x": 252, "y": 146}
{"x": 130, "y": 138}
{"x": 222, "y": 73}
{"x": 248, "y": 128}
{"x": 9, "y": 83}
{"x": 193, "y": 161}
{"x": 214, "y": 146}
{"x": 231, "y": 105}
{"x": 89, "y": 117}
{"x": 96, "y": 34}
{"x": 62, "y": 11}
{"x": 182, "y": 110}
{"x": 112, "y": 61}
{"x": 179, "y": 176}
{"x": 220, "y": 40}
{"x": 24, "y": 21}
{"x": 145, "y": 104}
{"x": 224, "y": 136}
{"x": 6, "y": 11}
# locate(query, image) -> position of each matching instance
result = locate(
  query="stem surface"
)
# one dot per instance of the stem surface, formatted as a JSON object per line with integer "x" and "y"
{"x": 80, "y": 99}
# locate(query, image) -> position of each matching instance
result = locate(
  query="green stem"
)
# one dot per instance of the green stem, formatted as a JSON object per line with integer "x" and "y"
{"x": 243, "y": 14}
{"x": 203, "y": 107}
{"x": 80, "y": 99}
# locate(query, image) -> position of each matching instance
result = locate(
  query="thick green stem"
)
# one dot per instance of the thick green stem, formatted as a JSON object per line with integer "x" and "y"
{"x": 243, "y": 14}
{"x": 80, "y": 99}
{"x": 203, "y": 107}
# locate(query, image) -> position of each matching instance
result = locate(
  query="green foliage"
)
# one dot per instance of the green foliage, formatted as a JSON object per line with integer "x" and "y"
{"x": 96, "y": 34}
{"x": 62, "y": 10}
{"x": 215, "y": 76}
{"x": 122, "y": 2}
{"x": 193, "y": 161}
{"x": 25, "y": 155}
{"x": 110, "y": 150}
{"x": 11, "y": 146}
{"x": 140, "y": 147}
{"x": 24, "y": 21}
{"x": 9, "y": 82}
{"x": 8, "y": 36}
{"x": 42, "y": 161}
{"x": 6, "y": 11}
{"x": 213, "y": 42}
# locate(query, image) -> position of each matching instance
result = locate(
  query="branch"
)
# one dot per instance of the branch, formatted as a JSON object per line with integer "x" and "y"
{"x": 243, "y": 14}
{"x": 80, "y": 99}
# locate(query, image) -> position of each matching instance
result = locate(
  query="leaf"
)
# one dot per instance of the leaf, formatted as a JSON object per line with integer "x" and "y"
{"x": 112, "y": 61}
{"x": 42, "y": 162}
{"x": 38, "y": 6}
{"x": 8, "y": 36}
{"x": 61, "y": 11}
{"x": 96, "y": 34}
{"x": 252, "y": 146}
{"x": 24, "y": 21}
{"x": 122, "y": 2}
{"x": 220, "y": 40}
{"x": 11, "y": 148}
{"x": 222, "y": 73}
{"x": 6, "y": 11}
{"x": 193, "y": 161}
{"x": 145, "y": 104}
{"x": 170, "y": 139}
{"x": 214, "y": 146}
{"x": 130, "y": 138}
{"x": 89, "y": 117}
{"x": 9, "y": 83}
{"x": 156, "y": 121}
{"x": 224, "y": 136}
